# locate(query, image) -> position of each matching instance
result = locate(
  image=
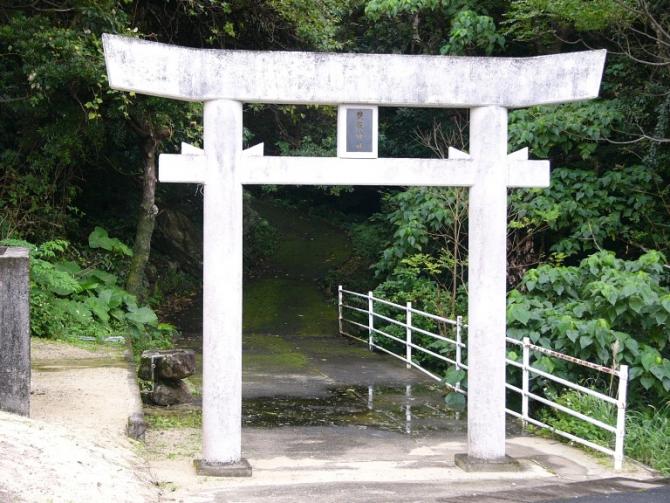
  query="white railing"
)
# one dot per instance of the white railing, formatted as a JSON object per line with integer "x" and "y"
{"x": 526, "y": 395}
{"x": 527, "y": 370}
{"x": 408, "y": 341}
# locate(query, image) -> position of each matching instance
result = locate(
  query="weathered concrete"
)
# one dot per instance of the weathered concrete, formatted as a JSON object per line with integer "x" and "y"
{"x": 224, "y": 79}
{"x": 260, "y": 170}
{"x": 487, "y": 266}
{"x": 498, "y": 465}
{"x": 240, "y": 468}
{"x": 327, "y": 420}
{"x": 384, "y": 79}
{"x": 222, "y": 289}
{"x": 14, "y": 330}
{"x": 366, "y": 465}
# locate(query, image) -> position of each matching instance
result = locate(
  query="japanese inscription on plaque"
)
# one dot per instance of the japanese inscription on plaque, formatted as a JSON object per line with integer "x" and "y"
{"x": 359, "y": 130}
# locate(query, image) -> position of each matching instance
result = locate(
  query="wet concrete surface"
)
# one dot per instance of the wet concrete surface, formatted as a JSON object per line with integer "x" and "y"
{"x": 324, "y": 418}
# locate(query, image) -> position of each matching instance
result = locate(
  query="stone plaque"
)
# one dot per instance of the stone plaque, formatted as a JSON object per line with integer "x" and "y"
{"x": 359, "y": 130}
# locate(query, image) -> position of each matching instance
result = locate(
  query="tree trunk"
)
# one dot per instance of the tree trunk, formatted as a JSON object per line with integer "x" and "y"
{"x": 146, "y": 219}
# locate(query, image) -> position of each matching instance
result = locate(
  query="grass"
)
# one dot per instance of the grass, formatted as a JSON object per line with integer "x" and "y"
{"x": 588, "y": 405}
{"x": 180, "y": 419}
{"x": 647, "y": 431}
{"x": 648, "y": 437}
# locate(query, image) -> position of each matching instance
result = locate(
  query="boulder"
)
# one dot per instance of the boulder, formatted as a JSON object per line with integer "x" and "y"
{"x": 171, "y": 392}
{"x": 178, "y": 236}
{"x": 170, "y": 364}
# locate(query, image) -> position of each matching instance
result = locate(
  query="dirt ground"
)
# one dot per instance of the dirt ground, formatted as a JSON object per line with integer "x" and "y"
{"x": 74, "y": 447}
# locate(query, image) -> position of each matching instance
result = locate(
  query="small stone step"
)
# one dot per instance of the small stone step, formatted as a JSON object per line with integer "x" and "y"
{"x": 170, "y": 393}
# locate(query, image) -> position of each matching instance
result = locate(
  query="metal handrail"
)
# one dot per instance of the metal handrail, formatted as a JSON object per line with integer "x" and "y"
{"x": 567, "y": 358}
{"x": 527, "y": 369}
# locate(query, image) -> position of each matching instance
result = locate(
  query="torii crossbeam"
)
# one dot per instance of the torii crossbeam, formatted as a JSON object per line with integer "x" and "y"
{"x": 225, "y": 79}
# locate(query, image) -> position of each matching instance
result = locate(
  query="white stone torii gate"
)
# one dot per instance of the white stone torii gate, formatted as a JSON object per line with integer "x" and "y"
{"x": 224, "y": 79}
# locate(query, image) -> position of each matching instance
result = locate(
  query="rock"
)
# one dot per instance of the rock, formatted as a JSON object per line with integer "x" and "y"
{"x": 178, "y": 236}
{"x": 170, "y": 364}
{"x": 171, "y": 392}
{"x": 136, "y": 427}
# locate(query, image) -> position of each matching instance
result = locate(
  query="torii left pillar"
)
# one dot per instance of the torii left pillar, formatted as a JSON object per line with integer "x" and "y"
{"x": 222, "y": 297}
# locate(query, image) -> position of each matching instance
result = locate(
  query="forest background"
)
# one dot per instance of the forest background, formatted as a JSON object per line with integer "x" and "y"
{"x": 588, "y": 272}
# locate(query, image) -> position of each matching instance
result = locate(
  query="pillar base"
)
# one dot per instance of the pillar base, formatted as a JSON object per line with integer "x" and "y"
{"x": 240, "y": 468}
{"x": 470, "y": 464}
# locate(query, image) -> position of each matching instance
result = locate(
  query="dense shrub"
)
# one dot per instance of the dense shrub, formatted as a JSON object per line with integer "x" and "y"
{"x": 605, "y": 310}
{"x": 70, "y": 300}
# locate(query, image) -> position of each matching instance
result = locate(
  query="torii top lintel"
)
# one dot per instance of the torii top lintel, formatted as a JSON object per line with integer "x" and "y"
{"x": 326, "y": 78}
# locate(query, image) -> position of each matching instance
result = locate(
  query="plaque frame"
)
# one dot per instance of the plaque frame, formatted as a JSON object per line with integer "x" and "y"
{"x": 342, "y": 151}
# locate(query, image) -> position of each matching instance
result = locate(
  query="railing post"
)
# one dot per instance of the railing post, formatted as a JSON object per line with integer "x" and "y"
{"x": 525, "y": 376}
{"x": 621, "y": 417}
{"x": 339, "y": 308}
{"x": 408, "y": 336}
{"x": 459, "y": 337}
{"x": 371, "y": 319}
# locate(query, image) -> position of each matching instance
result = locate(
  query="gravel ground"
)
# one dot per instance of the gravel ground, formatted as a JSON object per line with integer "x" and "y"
{"x": 74, "y": 447}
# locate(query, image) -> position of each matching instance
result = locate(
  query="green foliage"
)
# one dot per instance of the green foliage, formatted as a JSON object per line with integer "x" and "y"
{"x": 53, "y": 84}
{"x": 68, "y": 301}
{"x": 586, "y": 211}
{"x": 587, "y": 405}
{"x": 407, "y": 284}
{"x": 455, "y": 378}
{"x": 531, "y": 19}
{"x": 455, "y": 401}
{"x": 445, "y": 26}
{"x": 376, "y": 9}
{"x": 100, "y": 239}
{"x": 261, "y": 240}
{"x": 647, "y": 433}
{"x": 607, "y": 311}
{"x": 647, "y": 430}
{"x": 169, "y": 420}
{"x": 471, "y": 31}
{"x": 316, "y": 23}
{"x": 367, "y": 239}
{"x": 309, "y": 148}
{"x": 564, "y": 129}
{"x": 415, "y": 215}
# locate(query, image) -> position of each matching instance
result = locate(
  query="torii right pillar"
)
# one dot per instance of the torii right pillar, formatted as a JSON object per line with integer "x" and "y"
{"x": 487, "y": 272}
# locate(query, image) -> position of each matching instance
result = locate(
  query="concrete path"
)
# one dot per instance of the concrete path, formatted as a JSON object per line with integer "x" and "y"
{"x": 656, "y": 495}
{"x": 325, "y": 419}
{"x": 74, "y": 448}
{"x": 340, "y": 424}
